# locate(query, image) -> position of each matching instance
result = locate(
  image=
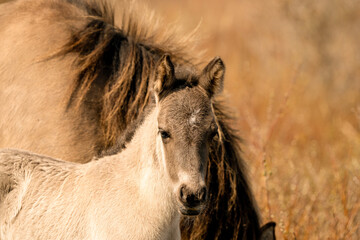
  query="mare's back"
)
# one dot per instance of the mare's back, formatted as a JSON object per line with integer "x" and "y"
{"x": 35, "y": 91}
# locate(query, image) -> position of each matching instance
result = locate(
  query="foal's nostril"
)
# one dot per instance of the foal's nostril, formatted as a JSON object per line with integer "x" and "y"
{"x": 202, "y": 194}
{"x": 190, "y": 198}
{"x": 182, "y": 193}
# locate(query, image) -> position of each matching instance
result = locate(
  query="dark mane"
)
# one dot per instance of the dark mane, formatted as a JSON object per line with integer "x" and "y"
{"x": 117, "y": 62}
{"x": 115, "y": 65}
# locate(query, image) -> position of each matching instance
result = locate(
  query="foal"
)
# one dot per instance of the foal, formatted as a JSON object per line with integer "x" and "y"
{"x": 138, "y": 193}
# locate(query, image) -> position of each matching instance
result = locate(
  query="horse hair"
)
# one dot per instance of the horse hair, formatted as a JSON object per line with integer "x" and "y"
{"x": 115, "y": 64}
{"x": 120, "y": 61}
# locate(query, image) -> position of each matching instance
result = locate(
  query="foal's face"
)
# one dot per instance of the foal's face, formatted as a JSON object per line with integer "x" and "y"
{"x": 186, "y": 126}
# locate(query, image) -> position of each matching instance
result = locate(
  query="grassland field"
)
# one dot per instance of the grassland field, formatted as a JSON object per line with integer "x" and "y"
{"x": 293, "y": 84}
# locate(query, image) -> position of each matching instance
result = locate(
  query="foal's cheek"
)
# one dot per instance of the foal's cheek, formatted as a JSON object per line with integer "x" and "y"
{"x": 171, "y": 162}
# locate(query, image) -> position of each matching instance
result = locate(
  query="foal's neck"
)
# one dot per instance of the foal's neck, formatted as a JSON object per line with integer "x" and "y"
{"x": 136, "y": 179}
{"x": 143, "y": 147}
{"x": 141, "y": 159}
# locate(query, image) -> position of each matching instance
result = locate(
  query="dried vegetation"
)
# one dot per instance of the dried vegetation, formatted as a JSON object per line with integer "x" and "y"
{"x": 293, "y": 79}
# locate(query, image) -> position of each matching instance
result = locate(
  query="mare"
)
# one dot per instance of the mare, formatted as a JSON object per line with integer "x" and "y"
{"x": 75, "y": 77}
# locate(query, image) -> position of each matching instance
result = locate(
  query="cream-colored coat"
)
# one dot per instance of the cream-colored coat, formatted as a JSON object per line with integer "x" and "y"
{"x": 124, "y": 196}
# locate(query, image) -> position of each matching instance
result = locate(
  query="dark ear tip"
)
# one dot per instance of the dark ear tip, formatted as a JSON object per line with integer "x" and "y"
{"x": 217, "y": 64}
{"x": 267, "y": 232}
{"x": 165, "y": 57}
{"x": 218, "y": 60}
{"x": 269, "y": 224}
{"x": 166, "y": 62}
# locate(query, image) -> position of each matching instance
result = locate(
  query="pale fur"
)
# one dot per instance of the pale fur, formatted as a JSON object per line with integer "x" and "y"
{"x": 30, "y": 85}
{"x": 124, "y": 196}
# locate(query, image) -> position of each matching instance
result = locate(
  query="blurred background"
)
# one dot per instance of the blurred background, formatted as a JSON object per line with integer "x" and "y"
{"x": 293, "y": 83}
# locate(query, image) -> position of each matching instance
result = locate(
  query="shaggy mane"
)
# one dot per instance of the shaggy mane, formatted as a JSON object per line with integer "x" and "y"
{"x": 116, "y": 61}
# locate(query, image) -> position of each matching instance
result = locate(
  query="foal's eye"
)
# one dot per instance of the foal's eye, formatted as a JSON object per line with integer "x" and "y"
{"x": 164, "y": 134}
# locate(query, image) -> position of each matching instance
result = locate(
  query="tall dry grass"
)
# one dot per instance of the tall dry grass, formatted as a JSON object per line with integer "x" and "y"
{"x": 293, "y": 78}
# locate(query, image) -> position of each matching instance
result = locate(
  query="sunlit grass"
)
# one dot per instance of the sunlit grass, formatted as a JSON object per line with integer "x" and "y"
{"x": 293, "y": 80}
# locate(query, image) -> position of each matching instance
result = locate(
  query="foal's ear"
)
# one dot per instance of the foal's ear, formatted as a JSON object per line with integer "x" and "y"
{"x": 164, "y": 76}
{"x": 267, "y": 232}
{"x": 212, "y": 78}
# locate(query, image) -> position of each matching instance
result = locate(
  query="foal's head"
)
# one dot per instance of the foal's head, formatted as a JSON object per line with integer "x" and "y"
{"x": 186, "y": 125}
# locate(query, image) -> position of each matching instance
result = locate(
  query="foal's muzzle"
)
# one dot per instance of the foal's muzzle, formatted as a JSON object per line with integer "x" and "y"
{"x": 192, "y": 202}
